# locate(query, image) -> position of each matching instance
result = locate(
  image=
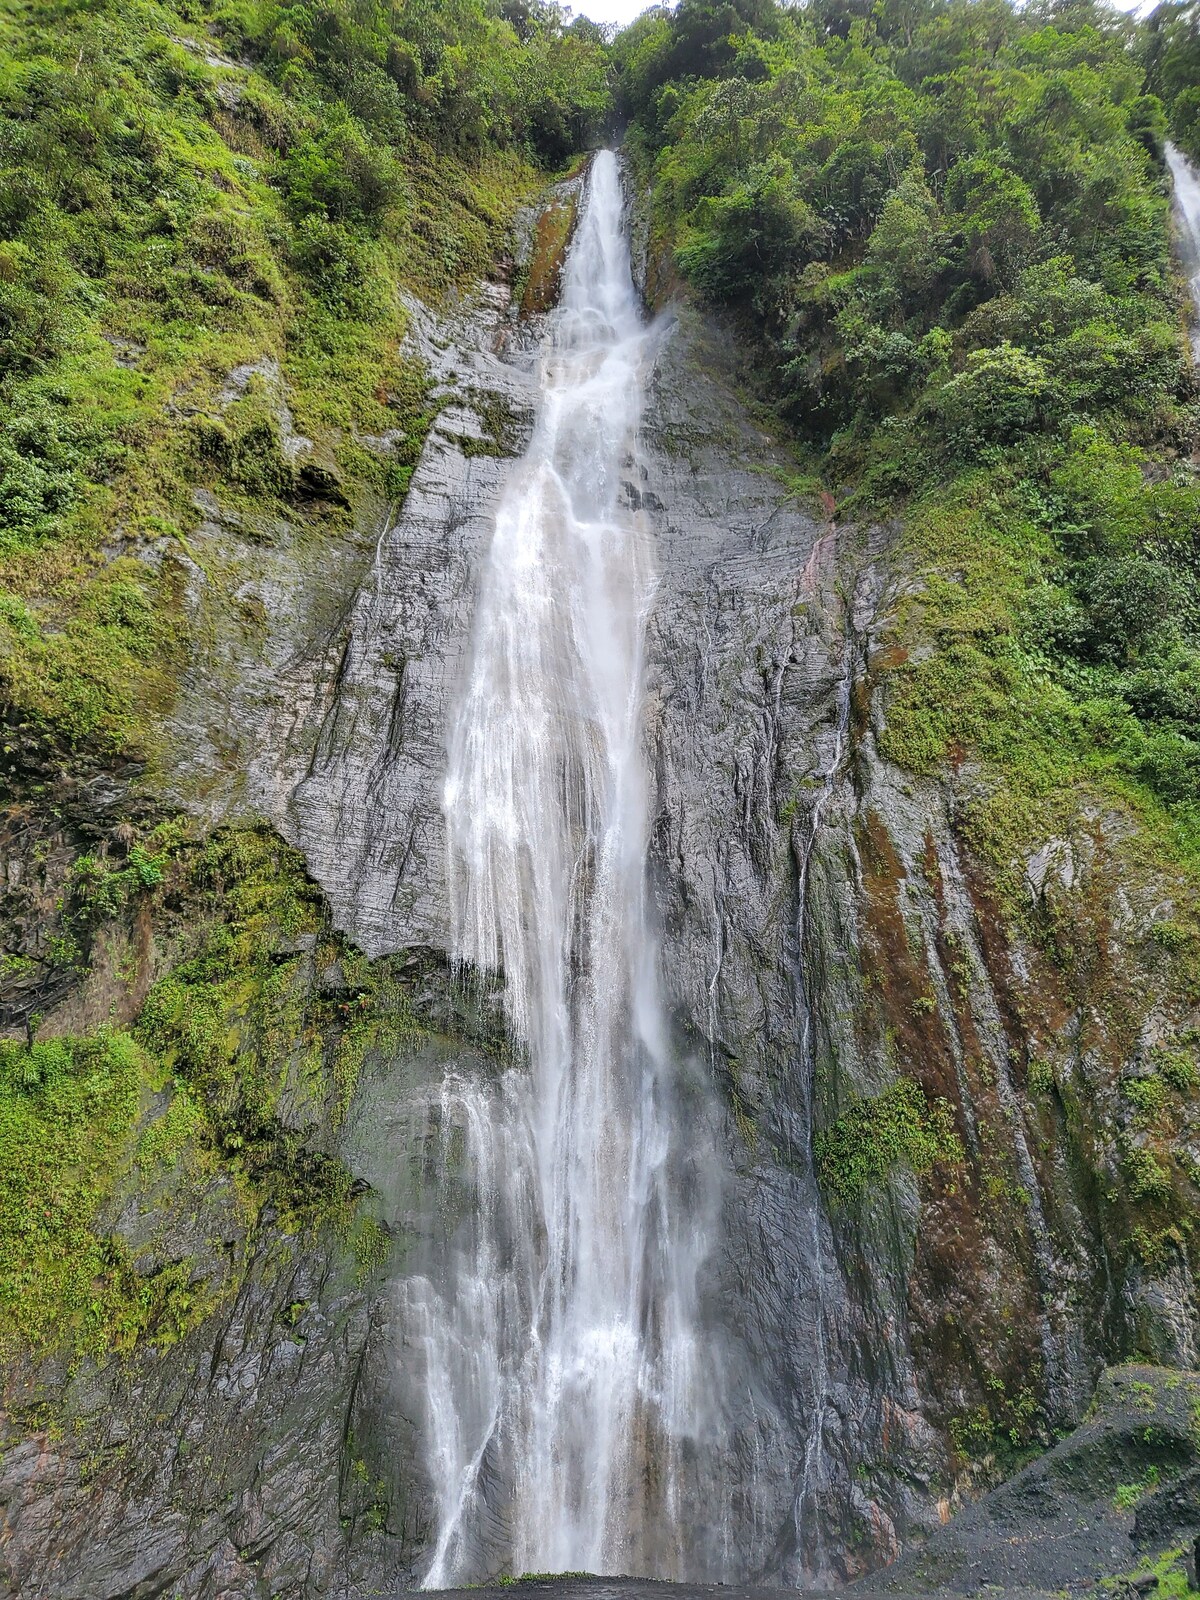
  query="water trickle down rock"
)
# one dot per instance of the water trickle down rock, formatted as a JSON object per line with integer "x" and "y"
{"x": 1186, "y": 207}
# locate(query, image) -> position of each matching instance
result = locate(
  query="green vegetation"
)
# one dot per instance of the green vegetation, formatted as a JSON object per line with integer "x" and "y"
{"x": 944, "y": 225}
{"x": 551, "y": 238}
{"x": 1169, "y": 1570}
{"x": 207, "y": 213}
{"x": 874, "y": 1135}
{"x": 66, "y": 1109}
{"x": 1171, "y": 52}
{"x": 1009, "y": 1427}
{"x": 371, "y": 1494}
{"x": 242, "y": 1025}
{"x": 229, "y": 1021}
{"x": 196, "y": 1090}
{"x": 1128, "y": 1494}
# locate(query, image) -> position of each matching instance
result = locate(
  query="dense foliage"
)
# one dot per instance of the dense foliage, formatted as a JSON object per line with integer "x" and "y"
{"x": 189, "y": 187}
{"x": 945, "y": 222}
{"x": 460, "y": 73}
{"x": 1171, "y": 51}
{"x": 857, "y": 1151}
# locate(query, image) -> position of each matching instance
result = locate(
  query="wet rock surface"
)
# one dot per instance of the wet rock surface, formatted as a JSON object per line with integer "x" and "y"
{"x": 824, "y": 930}
{"x": 902, "y": 1338}
{"x": 261, "y": 1453}
{"x": 1104, "y": 1501}
{"x": 211, "y": 1471}
{"x": 1092, "y": 1515}
{"x": 59, "y": 805}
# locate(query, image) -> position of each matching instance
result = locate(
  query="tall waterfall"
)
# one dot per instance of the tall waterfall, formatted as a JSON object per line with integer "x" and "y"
{"x": 564, "y": 1382}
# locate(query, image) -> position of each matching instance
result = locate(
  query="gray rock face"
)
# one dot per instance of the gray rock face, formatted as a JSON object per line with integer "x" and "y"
{"x": 345, "y": 749}
{"x": 321, "y": 691}
{"x": 367, "y": 811}
{"x": 822, "y": 932}
{"x": 214, "y": 1471}
{"x": 752, "y": 653}
{"x": 262, "y": 1454}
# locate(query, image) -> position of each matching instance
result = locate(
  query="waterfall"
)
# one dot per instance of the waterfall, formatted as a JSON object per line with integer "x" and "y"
{"x": 565, "y": 1383}
{"x": 1186, "y": 186}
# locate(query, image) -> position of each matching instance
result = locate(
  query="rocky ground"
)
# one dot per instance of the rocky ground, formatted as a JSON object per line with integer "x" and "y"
{"x": 1116, "y": 1502}
{"x": 1112, "y": 1510}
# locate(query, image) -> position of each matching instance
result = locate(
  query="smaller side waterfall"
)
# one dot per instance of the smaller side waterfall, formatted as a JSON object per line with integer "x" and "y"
{"x": 1186, "y": 182}
{"x": 566, "y": 1387}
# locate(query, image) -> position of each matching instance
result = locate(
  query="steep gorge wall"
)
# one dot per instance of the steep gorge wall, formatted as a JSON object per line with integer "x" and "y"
{"x": 946, "y": 1293}
{"x": 1024, "y": 1218}
{"x": 982, "y": 1246}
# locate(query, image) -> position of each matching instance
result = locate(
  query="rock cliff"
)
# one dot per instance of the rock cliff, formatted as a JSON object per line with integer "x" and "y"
{"x": 956, "y": 1094}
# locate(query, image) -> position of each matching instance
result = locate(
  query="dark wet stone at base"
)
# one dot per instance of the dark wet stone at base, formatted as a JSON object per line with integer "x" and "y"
{"x": 1095, "y": 1514}
{"x": 648, "y": 1589}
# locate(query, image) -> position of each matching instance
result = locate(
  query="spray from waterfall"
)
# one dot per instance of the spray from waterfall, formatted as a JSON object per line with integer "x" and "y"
{"x": 565, "y": 1385}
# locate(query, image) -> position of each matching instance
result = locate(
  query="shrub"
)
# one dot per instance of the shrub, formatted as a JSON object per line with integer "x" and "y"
{"x": 1127, "y": 605}
{"x": 335, "y": 261}
{"x": 1148, "y": 1179}
{"x": 1176, "y": 1067}
{"x": 737, "y": 242}
{"x": 996, "y": 215}
{"x": 873, "y": 1135}
{"x": 1185, "y": 121}
{"x": 1170, "y": 764}
{"x": 338, "y": 175}
{"x": 1003, "y": 394}
{"x": 48, "y": 451}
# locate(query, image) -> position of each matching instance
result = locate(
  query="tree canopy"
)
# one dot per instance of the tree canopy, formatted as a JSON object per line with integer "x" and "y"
{"x": 944, "y": 226}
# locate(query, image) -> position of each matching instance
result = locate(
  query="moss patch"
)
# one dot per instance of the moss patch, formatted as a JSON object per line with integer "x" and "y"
{"x": 67, "y": 1109}
{"x": 877, "y": 1133}
{"x": 226, "y": 1091}
{"x": 552, "y": 237}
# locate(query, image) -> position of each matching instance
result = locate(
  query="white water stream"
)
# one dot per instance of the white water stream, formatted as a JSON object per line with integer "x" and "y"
{"x": 564, "y": 1384}
{"x": 1186, "y": 184}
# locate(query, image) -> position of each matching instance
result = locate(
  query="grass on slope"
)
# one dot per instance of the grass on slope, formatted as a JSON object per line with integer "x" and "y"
{"x": 168, "y": 214}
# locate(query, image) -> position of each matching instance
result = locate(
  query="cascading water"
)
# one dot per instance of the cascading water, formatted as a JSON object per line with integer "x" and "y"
{"x": 566, "y": 1389}
{"x": 1186, "y": 185}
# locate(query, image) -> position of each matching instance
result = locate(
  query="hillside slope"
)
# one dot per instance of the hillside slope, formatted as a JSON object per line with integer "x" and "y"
{"x": 943, "y": 231}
